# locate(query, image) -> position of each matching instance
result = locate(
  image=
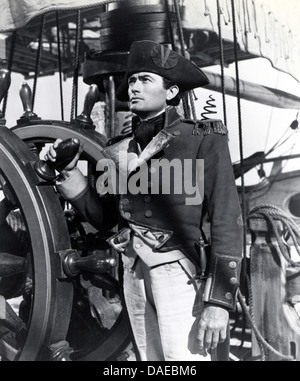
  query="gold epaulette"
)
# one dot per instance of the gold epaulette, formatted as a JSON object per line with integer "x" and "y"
{"x": 208, "y": 126}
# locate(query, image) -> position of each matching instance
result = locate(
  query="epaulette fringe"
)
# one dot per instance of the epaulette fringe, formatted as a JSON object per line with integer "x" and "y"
{"x": 209, "y": 126}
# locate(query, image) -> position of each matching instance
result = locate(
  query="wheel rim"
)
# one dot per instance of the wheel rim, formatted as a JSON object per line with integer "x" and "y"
{"x": 117, "y": 338}
{"x": 41, "y": 211}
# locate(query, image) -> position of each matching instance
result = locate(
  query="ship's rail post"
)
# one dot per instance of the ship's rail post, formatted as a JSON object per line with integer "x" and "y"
{"x": 275, "y": 287}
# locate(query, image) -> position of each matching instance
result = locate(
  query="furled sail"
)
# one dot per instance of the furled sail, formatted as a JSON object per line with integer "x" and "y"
{"x": 16, "y": 14}
{"x": 264, "y": 28}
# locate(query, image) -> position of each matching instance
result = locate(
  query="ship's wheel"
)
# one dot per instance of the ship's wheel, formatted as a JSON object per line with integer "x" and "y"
{"x": 86, "y": 320}
{"x": 32, "y": 239}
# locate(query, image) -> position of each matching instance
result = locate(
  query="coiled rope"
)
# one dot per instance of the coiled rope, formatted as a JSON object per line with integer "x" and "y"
{"x": 272, "y": 214}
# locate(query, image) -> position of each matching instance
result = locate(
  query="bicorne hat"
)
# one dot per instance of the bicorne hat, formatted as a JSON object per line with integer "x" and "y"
{"x": 149, "y": 56}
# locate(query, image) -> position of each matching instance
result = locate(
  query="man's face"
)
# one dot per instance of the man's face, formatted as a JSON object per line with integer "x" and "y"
{"x": 147, "y": 95}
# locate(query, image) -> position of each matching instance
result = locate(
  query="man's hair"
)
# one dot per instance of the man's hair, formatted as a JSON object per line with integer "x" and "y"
{"x": 167, "y": 84}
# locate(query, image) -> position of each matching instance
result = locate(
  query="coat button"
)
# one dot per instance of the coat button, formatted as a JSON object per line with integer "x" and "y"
{"x": 147, "y": 199}
{"x": 148, "y": 213}
{"x": 127, "y": 215}
{"x": 138, "y": 245}
{"x": 232, "y": 265}
{"x": 152, "y": 170}
{"x": 233, "y": 280}
{"x": 125, "y": 201}
{"x": 228, "y": 296}
{"x": 176, "y": 133}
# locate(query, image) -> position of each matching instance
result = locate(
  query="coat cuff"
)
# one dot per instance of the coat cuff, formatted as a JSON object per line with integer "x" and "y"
{"x": 73, "y": 186}
{"x": 222, "y": 284}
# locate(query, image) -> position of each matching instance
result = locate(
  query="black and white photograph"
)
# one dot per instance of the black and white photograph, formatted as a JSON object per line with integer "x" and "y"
{"x": 149, "y": 184}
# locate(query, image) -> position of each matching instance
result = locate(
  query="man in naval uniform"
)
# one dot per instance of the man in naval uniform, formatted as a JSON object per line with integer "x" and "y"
{"x": 178, "y": 299}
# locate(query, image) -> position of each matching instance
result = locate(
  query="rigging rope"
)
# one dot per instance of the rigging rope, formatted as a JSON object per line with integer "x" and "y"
{"x": 240, "y": 127}
{"x": 59, "y": 67}
{"x": 278, "y": 143}
{"x": 38, "y": 59}
{"x": 184, "y": 97}
{"x": 76, "y": 68}
{"x": 261, "y": 341}
{"x": 221, "y": 50}
{"x": 270, "y": 119}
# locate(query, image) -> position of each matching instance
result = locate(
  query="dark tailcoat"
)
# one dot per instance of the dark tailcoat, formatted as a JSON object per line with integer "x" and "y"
{"x": 168, "y": 212}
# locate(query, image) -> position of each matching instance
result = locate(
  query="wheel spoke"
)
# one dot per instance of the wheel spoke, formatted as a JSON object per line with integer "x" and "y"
{"x": 11, "y": 264}
{"x": 33, "y": 230}
{"x": 97, "y": 311}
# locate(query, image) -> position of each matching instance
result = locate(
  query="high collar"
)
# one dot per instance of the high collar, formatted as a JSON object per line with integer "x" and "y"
{"x": 156, "y": 123}
{"x": 154, "y": 117}
{"x": 170, "y": 116}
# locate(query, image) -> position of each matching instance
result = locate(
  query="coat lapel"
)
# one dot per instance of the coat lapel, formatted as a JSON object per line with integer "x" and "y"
{"x": 126, "y": 153}
{"x": 157, "y": 144}
{"x": 122, "y": 153}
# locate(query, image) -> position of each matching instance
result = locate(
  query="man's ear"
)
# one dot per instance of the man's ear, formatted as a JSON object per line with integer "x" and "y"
{"x": 172, "y": 92}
